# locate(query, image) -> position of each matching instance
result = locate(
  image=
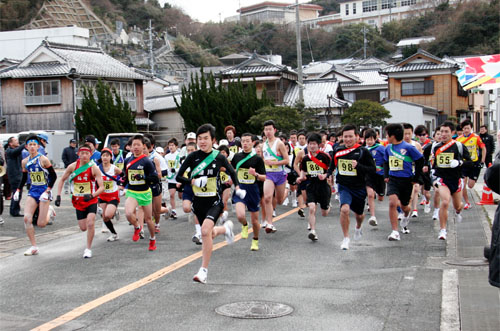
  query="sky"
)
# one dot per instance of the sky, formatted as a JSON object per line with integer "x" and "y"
{"x": 206, "y": 10}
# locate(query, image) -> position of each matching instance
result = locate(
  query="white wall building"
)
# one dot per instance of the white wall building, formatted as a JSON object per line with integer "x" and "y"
{"x": 278, "y": 12}
{"x": 19, "y": 44}
{"x": 413, "y": 113}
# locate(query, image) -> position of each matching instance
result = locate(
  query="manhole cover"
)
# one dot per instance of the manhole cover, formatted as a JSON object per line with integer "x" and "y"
{"x": 254, "y": 310}
{"x": 468, "y": 262}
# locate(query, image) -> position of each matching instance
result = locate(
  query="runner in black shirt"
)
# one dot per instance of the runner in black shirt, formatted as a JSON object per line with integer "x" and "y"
{"x": 314, "y": 168}
{"x": 205, "y": 166}
{"x": 353, "y": 164}
{"x": 250, "y": 169}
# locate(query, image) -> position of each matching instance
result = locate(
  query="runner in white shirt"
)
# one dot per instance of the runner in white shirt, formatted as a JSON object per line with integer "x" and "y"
{"x": 173, "y": 165}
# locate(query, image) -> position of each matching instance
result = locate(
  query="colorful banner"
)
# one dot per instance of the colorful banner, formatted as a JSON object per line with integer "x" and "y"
{"x": 480, "y": 70}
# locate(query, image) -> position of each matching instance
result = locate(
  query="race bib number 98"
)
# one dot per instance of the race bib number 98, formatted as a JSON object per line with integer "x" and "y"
{"x": 346, "y": 168}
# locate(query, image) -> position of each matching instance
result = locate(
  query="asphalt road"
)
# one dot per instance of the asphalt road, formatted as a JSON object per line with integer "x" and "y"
{"x": 376, "y": 285}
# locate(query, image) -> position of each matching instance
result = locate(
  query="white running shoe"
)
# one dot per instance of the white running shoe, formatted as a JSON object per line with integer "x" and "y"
{"x": 372, "y": 221}
{"x": 197, "y": 239}
{"x": 141, "y": 234}
{"x": 442, "y": 234}
{"x": 263, "y": 225}
{"x": 294, "y": 204}
{"x": 87, "y": 253}
{"x": 401, "y": 216}
{"x": 404, "y": 222}
{"x": 345, "y": 244}
{"x": 33, "y": 250}
{"x": 458, "y": 218}
{"x": 201, "y": 276}
{"x": 223, "y": 218}
{"x": 394, "y": 236}
{"x": 312, "y": 235}
{"x": 435, "y": 215}
{"x": 52, "y": 215}
{"x": 414, "y": 213}
{"x": 427, "y": 208}
{"x": 99, "y": 211}
{"x": 405, "y": 230}
{"x": 274, "y": 213}
{"x": 285, "y": 203}
{"x": 270, "y": 228}
{"x": 113, "y": 237}
{"x": 229, "y": 235}
{"x": 104, "y": 229}
{"x": 308, "y": 226}
{"x": 358, "y": 234}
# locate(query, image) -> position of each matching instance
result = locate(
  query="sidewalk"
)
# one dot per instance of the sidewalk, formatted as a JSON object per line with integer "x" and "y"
{"x": 479, "y": 302}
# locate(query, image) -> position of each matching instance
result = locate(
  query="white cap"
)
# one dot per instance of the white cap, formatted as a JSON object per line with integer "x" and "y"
{"x": 191, "y": 135}
{"x": 223, "y": 142}
{"x": 160, "y": 150}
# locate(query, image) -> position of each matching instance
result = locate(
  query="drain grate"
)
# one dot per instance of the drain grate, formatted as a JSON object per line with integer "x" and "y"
{"x": 254, "y": 310}
{"x": 468, "y": 262}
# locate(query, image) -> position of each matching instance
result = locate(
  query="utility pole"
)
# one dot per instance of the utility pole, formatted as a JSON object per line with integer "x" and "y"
{"x": 151, "y": 57}
{"x": 299, "y": 52}
{"x": 364, "y": 42}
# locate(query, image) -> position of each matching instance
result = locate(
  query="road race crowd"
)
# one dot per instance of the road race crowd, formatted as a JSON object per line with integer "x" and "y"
{"x": 256, "y": 173}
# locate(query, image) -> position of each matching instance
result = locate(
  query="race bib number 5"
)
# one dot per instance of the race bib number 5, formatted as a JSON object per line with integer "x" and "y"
{"x": 244, "y": 176}
{"x": 346, "y": 168}
{"x": 395, "y": 164}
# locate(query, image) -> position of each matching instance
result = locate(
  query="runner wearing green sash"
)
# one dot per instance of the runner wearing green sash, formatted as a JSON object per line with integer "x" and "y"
{"x": 275, "y": 158}
{"x": 408, "y": 138}
{"x": 398, "y": 173}
{"x": 207, "y": 203}
{"x": 375, "y": 185}
{"x": 250, "y": 168}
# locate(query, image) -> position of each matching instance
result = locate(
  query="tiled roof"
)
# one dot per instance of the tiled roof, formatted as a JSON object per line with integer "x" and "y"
{"x": 367, "y": 77}
{"x": 255, "y": 65}
{"x": 162, "y": 103}
{"x": 143, "y": 121}
{"x": 418, "y": 67}
{"x": 315, "y": 94}
{"x": 88, "y": 62}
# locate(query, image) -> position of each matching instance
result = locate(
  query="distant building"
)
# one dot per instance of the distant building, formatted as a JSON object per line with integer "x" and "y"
{"x": 278, "y": 12}
{"x": 413, "y": 113}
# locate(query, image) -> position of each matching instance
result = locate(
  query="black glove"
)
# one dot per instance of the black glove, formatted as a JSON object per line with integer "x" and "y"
{"x": 138, "y": 177}
{"x": 58, "y": 201}
{"x": 87, "y": 197}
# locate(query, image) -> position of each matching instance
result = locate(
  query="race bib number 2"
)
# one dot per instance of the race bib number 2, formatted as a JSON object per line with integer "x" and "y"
{"x": 81, "y": 189}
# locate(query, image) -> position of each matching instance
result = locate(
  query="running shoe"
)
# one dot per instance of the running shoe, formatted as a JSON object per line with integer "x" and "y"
{"x": 308, "y": 226}
{"x": 404, "y": 222}
{"x": 427, "y": 208}
{"x": 141, "y": 234}
{"x": 405, "y": 230}
{"x": 136, "y": 235}
{"x": 87, "y": 253}
{"x": 294, "y": 203}
{"x": 104, "y": 229}
{"x": 152, "y": 244}
{"x": 274, "y": 213}
{"x": 458, "y": 218}
{"x": 52, "y": 215}
{"x": 229, "y": 235}
{"x": 201, "y": 276}
{"x": 442, "y": 234}
{"x": 394, "y": 236}
{"x": 301, "y": 212}
{"x": 285, "y": 203}
{"x": 263, "y": 225}
{"x": 157, "y": 228}
{"x": 223, "y": 217}
{"x": 270, "y": 228}
{"x": 345, "y": 244}
{"x": 467, "y": 206}
{"x": 113, "y": 237}
{"x": 358, "y": 234}
{"x": 197, "y": 239}
{"x": 244, "y": 231}
{"x": 423, "y": 202}
{"x": 312, "y": 235}
{"x": 173, "y": 214}
{"x": 255, "y": 245}
{"x": 372, "y": 221}
{"x": 414, "y": 213}
{"x": 99, "y": 211}
{"x": 435, "y": 215}
{"x": 401, "y": 216}
{"x": 33, "y": 250}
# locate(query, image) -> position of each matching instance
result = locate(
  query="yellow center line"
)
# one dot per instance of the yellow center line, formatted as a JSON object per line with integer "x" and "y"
{"x": 79, "y": 311}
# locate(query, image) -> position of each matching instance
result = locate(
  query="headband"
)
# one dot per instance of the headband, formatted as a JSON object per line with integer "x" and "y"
{"x": 33, "y": 141}
{"x": 84, "y": 149}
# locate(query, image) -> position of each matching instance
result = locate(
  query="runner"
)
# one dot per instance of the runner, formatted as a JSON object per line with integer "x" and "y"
{"x": 408, "y": 138}
{"x": 95, "y": 154}
{"x": 43, "y": 178}
{"x": 161, "y": 169}
{"x": 118, "y": 158}
{"x": 257, "y": 147}
{"x": 436, "y": 200}
{"x": 249, "y": 168}
{"x": 173, "y": 165}
{"x": 423, "y": 138}
{"x": 234, "y": 142}
{"x": 353, "y": 164}
{"x": 300, "y": 153}
{"x": 398, "y": 173}
{"x": 448, "y": 157}
{"x": 314, "y": 168}
{"x": 275, "y": 157}
{"x": 226, "y": 182}
{"x": 139, "y": 175}
{"x": 83, "y": 174}
{"x": 375, "y": 185}
{"x": 109, "y": 199}
{"x": 207, "y": 203}
{"x": 477, "y": 152}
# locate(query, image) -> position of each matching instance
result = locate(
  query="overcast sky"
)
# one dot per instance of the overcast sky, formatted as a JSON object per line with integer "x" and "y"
{"x": 206, "y": 10}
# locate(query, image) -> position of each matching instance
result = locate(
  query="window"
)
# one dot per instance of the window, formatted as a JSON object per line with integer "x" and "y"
{"x": 125, "y": 90}
{"x": 42, "y": 93}
{"x": 354, "y": 8}
{"x": 387, "y": 4}
{"x": 416, "y": 88}
{"x": 369, "y": 6}
{"x": 408, "y": 2}
{"x": 346, "y": 9}
{"x": 461, "y": 92}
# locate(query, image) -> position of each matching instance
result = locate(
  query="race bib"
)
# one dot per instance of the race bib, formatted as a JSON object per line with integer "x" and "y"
{"x": 473, "y": 152}
{"x": 108, "y": 186}
{"x": 80, "y": 189}
{"x": 119, "y": 166}
{"x": 272, "y": 168}
{"x": 223, "y": 177}
{"x": 395, "y": 164}
{"x": 443, "y": 160}
{"x": 171, "y": 164}
{"x": 346, "y": 168}
{"x": 131, "y": 177}
{"x": 234, "y": 149}
{"x": 37, "y": 178}
{"x": 210, "y": 190}
{"x": 244, "y": 176}
{"x": 313, "y": 169}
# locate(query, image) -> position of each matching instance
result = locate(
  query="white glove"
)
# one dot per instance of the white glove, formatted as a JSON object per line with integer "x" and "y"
{"x": 16, "y": 196}
{"x": 454, "y": 163}
{"x": 241, "y": 193}
{"x": 201, "y": 181}
{"x": 46, "y": 196}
